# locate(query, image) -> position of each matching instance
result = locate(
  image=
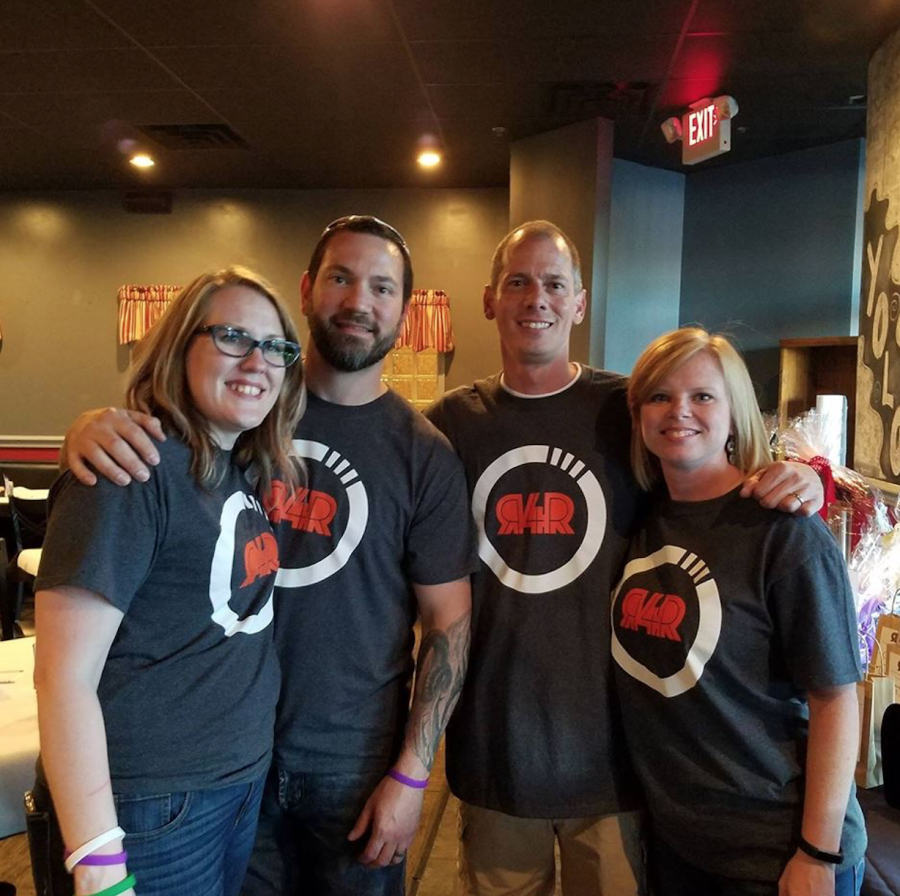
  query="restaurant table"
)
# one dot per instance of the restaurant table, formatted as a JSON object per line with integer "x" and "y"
{"x": 18, "y": 731}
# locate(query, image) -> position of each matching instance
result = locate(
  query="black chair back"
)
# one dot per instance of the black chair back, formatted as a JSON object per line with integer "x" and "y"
{"x": 8, "y": 609}
{"x": 29, "y": 526}
{"x": 29, "y": 518}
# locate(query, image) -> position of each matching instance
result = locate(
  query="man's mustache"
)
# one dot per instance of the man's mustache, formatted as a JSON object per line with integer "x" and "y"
{"x": 357, "y": 319}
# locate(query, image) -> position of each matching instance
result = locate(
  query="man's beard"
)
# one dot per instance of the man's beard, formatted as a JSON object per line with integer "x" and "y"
{"x": 344, "y": 351}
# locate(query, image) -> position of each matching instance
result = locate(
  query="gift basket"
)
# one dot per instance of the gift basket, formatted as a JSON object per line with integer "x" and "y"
{"x": 867, "y": 532}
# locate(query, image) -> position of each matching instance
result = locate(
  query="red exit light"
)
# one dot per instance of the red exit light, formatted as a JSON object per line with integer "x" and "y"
{"x": 702, "y": 125}
{"x": 706, "y": 129}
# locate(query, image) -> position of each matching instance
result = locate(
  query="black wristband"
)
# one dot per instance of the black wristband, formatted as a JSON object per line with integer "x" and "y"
{"x": 833, "y": 858}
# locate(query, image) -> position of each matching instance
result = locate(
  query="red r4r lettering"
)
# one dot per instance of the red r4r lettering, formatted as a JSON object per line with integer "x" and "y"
{"x": 518, "y": 514}
{"x": 305, "y": 509}
{"x": 657, "y": 613}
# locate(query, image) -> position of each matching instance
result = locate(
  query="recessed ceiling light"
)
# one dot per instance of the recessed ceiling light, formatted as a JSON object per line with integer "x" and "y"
{"x": 142, "y": 160}
{"x": 429, "y": 158}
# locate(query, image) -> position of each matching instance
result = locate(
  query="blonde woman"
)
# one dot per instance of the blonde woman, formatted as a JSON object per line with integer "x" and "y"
{"x": 155, "y": 671}
{"x": 735, "y": 646}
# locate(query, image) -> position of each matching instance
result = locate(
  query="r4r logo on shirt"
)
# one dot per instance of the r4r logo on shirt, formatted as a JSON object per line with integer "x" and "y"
{"x": 518, "y": 514}
{"x": 657, "y": 613}
{"x": 260, "y": 557}
{"x": 305, "y": 509}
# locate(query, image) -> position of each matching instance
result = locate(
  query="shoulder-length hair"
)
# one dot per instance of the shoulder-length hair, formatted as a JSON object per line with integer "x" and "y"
{"x": 157, "y": 384}
{"x": 666, "y": 354}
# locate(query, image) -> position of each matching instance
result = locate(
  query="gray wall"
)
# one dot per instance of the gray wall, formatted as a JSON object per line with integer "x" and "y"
{"x": 771, "y": 249}
{"x": 643, "y": 287}
{"x": 64, "y": 256}
{"x": 565, "y": 176}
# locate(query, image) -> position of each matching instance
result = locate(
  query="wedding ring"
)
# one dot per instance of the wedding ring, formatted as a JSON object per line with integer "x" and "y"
{"x": 794, "y": 494}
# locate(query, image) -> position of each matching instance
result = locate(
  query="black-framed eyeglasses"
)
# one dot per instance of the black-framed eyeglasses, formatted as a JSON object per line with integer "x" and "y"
{"x": 238, "y": 344}
{"x": 364, "y": 220}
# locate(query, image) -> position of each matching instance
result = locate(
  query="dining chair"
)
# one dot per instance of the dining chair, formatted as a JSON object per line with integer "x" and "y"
{"x": 28, "y": 514}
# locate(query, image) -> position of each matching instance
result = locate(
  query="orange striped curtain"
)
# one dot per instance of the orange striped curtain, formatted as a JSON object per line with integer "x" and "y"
{"x": 428, "y": 322}
{"x": 140, "y": 307}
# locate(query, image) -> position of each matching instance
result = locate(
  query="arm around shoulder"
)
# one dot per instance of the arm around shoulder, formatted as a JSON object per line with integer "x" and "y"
{"x": 117, "y": 443}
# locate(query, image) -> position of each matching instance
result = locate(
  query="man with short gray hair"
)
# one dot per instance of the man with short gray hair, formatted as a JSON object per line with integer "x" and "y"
{"x": 535, "y": 749}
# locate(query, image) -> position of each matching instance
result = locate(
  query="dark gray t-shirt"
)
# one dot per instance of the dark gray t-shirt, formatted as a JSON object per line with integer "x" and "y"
{"x": 536, "y": 732}
{"x": 384, "y": 507}
{"x": 725, "y": 616}
{"x": 191, "y": 681}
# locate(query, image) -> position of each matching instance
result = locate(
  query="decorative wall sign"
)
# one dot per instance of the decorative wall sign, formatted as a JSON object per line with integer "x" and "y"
{"x": 880, "y": 329}
{"x": 877, "y": 443}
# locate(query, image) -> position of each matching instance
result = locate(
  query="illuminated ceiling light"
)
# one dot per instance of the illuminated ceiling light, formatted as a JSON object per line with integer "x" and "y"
{"x": 142, "y": 160}
{"x": 429, "y": 158}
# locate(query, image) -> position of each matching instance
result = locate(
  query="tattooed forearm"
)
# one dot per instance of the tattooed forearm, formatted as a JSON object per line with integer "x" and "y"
{"x": 440, "y": 672}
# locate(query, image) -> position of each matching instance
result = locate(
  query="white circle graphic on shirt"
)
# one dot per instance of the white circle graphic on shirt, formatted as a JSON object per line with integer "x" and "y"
{"x": 222, "y": 567}
{"x": 709, "y": 626}
{"x": 593, "y": 533}
{"x": 358, "y": 502}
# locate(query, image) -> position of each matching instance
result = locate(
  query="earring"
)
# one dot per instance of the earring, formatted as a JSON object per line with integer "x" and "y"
{"x": 729, "y": 449}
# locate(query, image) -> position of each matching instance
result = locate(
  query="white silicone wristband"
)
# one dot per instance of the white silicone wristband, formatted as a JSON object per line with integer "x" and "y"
{"x": 92, "y": 846}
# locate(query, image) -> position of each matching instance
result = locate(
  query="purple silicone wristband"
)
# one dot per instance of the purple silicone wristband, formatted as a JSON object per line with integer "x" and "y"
{"x": 116, "y": 858}
{"x": 409, "y": 782}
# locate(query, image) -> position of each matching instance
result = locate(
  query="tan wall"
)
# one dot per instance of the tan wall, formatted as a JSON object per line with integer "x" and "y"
{"x": 64, "y": 256}
{"x": 878, "y": 375}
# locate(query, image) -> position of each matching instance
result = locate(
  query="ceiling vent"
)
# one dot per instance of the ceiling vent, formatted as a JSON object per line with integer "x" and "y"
{"x": 193, "y": 137}
{"x": 581, "y": 99}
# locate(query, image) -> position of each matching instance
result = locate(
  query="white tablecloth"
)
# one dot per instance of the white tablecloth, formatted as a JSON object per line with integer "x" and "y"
{"x": 18, "y": 731}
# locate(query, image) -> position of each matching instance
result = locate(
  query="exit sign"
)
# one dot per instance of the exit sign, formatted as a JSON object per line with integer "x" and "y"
{"x": 705, "y": 133}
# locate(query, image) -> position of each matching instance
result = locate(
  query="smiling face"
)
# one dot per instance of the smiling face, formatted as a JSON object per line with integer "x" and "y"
{"x": 355, "y": 305}
{"x": 686, "y": 421}
{"x": 535, "y": 302}
{"x": 234, "y": 394}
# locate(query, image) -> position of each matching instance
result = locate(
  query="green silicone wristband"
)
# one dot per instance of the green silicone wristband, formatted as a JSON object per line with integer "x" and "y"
{"x": 120, "y": 887}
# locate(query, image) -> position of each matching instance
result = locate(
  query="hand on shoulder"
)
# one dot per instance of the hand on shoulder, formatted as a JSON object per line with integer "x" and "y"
{"x": 118, "y": 444}
{"x": 788, "y": 486}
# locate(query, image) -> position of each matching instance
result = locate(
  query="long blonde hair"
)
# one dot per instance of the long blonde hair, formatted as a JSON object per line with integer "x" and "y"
{"x": 669, "y": 352}
{"x": 157, "y": 384}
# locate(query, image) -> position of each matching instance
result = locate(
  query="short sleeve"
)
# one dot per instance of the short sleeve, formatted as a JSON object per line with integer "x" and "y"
{"x": 103, "y": 538}
{"x": 815, "y": 615}
{"x": 441, "y": 544}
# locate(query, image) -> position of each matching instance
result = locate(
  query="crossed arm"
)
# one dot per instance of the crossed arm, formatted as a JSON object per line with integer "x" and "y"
{"x": 392, "y": 812}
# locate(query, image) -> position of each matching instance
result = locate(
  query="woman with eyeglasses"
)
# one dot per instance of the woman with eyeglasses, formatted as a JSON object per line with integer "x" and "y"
{"x": 734, "y": 636}
{"x": 155, "y": 670}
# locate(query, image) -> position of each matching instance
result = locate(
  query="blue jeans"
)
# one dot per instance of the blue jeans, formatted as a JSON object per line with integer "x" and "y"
{"x": 178, "y": 843}
{"x": 670, "y": 875}
{"x": 301, "y": 844}
{"x": 197, "y": 842}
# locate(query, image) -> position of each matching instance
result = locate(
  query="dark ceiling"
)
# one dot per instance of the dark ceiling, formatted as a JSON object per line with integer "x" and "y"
{"x": 336, "y": 93}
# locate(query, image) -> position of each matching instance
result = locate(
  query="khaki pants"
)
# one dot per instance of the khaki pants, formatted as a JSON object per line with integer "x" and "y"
{"x": 502, "y": 855}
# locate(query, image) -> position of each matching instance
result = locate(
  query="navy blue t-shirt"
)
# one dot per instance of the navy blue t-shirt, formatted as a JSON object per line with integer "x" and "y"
{"x": 191, "y": 681}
